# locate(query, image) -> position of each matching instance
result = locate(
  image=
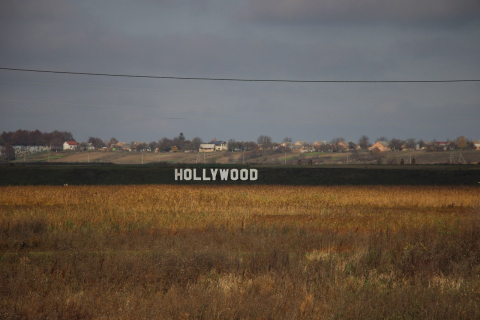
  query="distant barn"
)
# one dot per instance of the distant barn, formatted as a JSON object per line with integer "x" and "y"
{"x": 70, "y": 145}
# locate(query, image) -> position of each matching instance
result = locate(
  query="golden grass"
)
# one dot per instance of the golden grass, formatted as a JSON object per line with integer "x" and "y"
{"x": 242, "y": 252}
{"x": 180, "y": 207}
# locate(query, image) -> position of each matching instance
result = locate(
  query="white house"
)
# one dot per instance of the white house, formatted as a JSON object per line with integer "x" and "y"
{"x": 220, "y": 145}
{"x": 70, "y": 145}
{"x": 206, "y": 147}
{"x": 286, "y": 144}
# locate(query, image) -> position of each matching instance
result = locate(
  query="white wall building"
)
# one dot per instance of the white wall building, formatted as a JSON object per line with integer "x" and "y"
{"x": 220, "y": 145}
{"x": 207, "y": 147}
{"x": 70, "y": 145}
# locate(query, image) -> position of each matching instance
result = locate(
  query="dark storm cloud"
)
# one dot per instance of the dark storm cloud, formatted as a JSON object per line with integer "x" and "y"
{"x": 54, "y": 34}
{"x": 64, "y": 39}
{"x": 203, "y": 39}
{"x": 369, "y": 11}
{"x": 40, "y": 33}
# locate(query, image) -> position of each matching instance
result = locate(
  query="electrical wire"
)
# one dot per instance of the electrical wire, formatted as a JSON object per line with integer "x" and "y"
{"x": 237, "y": 79}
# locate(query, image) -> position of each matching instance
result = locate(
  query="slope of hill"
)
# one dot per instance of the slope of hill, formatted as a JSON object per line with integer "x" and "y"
{"x": 317, "y": 158}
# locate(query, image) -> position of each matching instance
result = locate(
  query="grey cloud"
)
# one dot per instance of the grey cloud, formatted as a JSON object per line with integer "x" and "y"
{"x": 35, "y": 10}
{"x": 84, "y": 47}
{"x": 192, "y": 4}
{"x": 449, "y": 47}
{"x": 369, "y": 11}
{"x": 94, "y": 37}
{"x": 74, "y": 41}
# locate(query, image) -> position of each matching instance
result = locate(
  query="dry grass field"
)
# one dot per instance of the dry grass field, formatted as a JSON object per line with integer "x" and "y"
{"x": 243, "y": 252}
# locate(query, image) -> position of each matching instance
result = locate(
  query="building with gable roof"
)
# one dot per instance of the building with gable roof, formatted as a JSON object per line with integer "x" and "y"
{"x": 70, "y": 145}
{"x": 380, "y": 146}
{"x": 219, "y": 145}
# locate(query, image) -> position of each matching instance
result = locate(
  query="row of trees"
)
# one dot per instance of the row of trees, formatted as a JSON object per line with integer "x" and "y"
{"x": 364, "y": 143}
{"x": 179, "y": 143}
{"x": 399, "y": 144}
{"x": 55, "y": 139}
{"x": 411, "y": 143}
{"x": 164, "y": 144}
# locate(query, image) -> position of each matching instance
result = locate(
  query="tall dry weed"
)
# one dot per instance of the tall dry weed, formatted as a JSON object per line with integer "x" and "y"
{"x": 239, "y": 252}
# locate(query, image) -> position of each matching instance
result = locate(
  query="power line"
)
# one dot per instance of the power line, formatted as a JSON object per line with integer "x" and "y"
{"x": 238, "y": 79}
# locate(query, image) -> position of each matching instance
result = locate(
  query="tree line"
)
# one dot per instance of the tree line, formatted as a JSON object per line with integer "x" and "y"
{"x": 164, "y": 144}
{"x": 179, "y": 143}
{"x": 263, "y": 145}
{"x": 411, "y": 143}
{"x": 54, "y": 139}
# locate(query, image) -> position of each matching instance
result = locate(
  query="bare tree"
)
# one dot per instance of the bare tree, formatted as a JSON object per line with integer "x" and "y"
{"x": 153, "y": 145}
{"x": 196, "y": 142}
{"x": 96, "y": 142}
{"x": 363, "y": 142}
{"x": 82, "y": 146}
{"x": 113, "y": 140}
{"x": 141, "y": 146}
{"x": 336, "y": 141}
{"x": 326, "y": 148}
{"x": 249, "y": 145}
{"x": 9, "y": 152}
{"x": 421, "y": 143}
{"x": 57, "y": 142}
{"x": 411, "y": 143}
{"x": 178, "y": 142}
{"x": 471, "y": 145}
{"x": 165, "y": 144}
{"x": 265, "y": 141}
{"x": 396, "y": 144}
{"x": 231, "y": 144}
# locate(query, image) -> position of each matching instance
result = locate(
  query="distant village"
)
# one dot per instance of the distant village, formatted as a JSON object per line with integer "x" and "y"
{"x": 22, "y": 142}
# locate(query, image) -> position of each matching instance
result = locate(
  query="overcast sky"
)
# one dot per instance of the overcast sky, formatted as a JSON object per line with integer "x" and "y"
{"x": 250, "y": 39}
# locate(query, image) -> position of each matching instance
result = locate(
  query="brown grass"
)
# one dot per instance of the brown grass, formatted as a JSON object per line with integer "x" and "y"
{"x": 239, "y": 252}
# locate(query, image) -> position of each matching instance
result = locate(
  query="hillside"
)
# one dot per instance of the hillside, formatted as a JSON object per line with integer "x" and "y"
{"x": 318, "y": 158}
